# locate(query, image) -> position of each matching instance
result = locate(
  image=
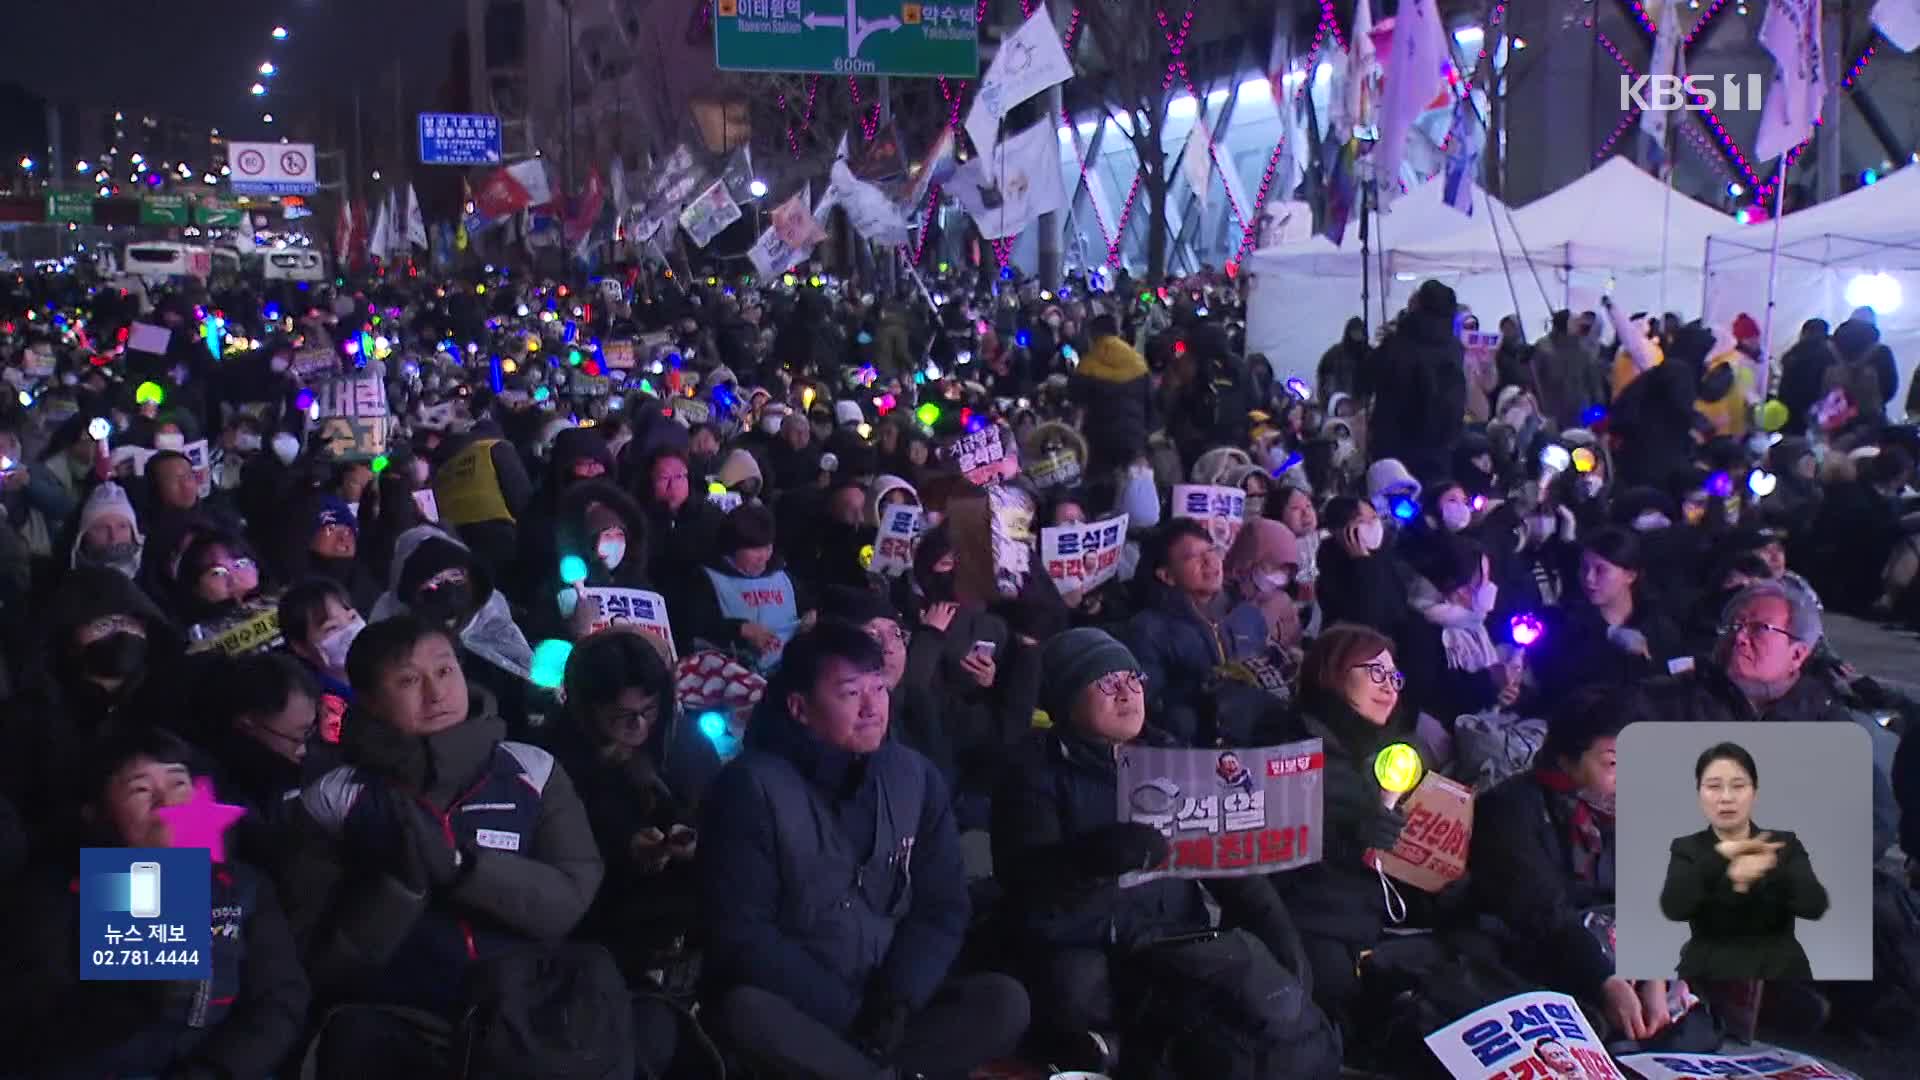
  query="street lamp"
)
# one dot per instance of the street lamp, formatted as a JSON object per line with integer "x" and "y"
{"x": 257, "y": 89}
{"x": 266, "y": 118}
{"x": 267, "y": 68}
{"x": 279, "y": 33}
{"x": 757, "y": 188}
{"x": 26, "y": 163}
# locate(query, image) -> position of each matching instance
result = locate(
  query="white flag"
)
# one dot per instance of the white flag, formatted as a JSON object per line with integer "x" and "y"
{"x": 381, "y": 243}
{"x": 1791, "y": 33}
{"x": 416, "y": 225}
{"x": 531, "y": 175}
{"x": 1028, "y": 61}
{"x": 1666, "y": 56}
{"x": 1899, "y": 20}
{"x": 1196, "y": 164}
{"x": 1414, "y": 73}
{"x": 1363, "y": 68}
{"x": 1015, "y": 183}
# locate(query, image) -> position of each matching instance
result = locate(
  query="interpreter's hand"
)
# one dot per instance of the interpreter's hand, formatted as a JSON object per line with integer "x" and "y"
{"x": 649, "y": 849}
{"x": 1653, "y": 1005}
{"x": 939, "y": 616}
{"x": 1749, "y": 860}
{"x": 1622, "y": 1005}
{"x": 982, "y": 669}
{"x": 761, "y": 638}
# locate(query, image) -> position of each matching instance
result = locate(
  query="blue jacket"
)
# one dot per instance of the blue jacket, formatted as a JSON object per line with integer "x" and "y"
{"x": 797, "y": 906}
{"x": 1179, "y": 648}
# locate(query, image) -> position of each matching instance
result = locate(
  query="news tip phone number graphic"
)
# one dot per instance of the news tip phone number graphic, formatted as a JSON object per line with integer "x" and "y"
{"x": 146, "y": 957}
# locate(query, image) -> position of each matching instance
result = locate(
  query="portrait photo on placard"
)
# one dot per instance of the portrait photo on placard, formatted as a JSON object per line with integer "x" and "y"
{"x": 1745, "y": 851}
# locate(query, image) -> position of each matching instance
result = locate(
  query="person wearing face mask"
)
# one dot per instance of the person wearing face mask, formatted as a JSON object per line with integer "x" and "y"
{"x": 1359, "y": 583}
{"x": 108, "y": 534}
{"x": 319, "y": 623}
{"x": 641, "y": 767}
{"x": 1394, "y": 494}
{"x": 1262, "y": 568}
{"x": 1452, "y": 665}
{"x": 605, "y": 530}
{"x": 436, "y": 578}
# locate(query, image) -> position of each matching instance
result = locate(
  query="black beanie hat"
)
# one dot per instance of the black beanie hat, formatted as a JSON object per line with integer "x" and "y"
{"x": 1074, "y": 660}
{"x": 435, "y": 554}
{"x": 855, "y": 605}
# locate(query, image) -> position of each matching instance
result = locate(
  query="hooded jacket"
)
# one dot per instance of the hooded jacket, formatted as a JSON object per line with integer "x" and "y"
{"x": 489, "y": 634}
{"x": 826, "y": 876}
{"x": 1420, "y": 388}
{"x": 1115, "y": 391}
{"x": 573, "y": 537}
{"x": 1180, "y": 648}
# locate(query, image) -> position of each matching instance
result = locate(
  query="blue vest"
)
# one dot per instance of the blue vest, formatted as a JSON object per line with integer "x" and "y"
{"x": 500, "y": 811}
{"x": 767, "y": 600}
{"x": 839, "y": 901}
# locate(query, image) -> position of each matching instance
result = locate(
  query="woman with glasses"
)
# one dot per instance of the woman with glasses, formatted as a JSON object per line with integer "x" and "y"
{"x": 1350, "y": 699}
{"x": 220, "y": 596}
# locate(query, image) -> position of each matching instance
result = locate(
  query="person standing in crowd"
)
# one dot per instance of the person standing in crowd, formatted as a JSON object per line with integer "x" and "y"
{"x": 1342, "y": 365}
{"x": 1419, "y": 386}
{"x": 834, "y": 886}
{"x": 1113, "y": 391}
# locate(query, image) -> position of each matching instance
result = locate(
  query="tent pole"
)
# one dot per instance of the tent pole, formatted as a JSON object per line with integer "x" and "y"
{"x": 1366, "y": 267}
{"x": 1666, "y": 216}
{"x": 1773, "y": 270}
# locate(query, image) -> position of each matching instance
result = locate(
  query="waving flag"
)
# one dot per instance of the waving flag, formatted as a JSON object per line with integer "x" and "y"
{"x": 1666, "y": 59}
{"x": 1415, "y": 69}
{"x": 1463, "y": 157}
{"x": 1791, "y": 33}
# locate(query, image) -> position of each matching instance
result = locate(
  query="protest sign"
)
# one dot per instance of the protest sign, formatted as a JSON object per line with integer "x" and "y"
{"x": 255, "y": 632}
{"x": 893, "y": 545}
{"x": 1222, "y": 509}
{"x": 38, "y": 361}
{"x": 1770, "y": 1064}
{"x": 1539, "y": 1034}
{"x": 353, "y": 417}
{"x": 705, "y": 217}
{"x": 618, "y": 355}
{"x": 314, "y": 361}
{"x": 1228, "y": 813}
{"x": 727, "y": 501}
{"x": 1479, "y": 348}
{"x": 196, "y": 452}
{"x": 1082, "y": 557}
{"x": 634, "y": 609}
{"x": 1059, "y": 468}
{"x": 795, "y": 223}
{"x": 691, "y": 411}
{"x": 429, "y": 508}
{"x": 130, "y": 461}
{"x": 148, "y": 338}
{"x": 1432, "y": 852}
{"x": 985, "y": 455}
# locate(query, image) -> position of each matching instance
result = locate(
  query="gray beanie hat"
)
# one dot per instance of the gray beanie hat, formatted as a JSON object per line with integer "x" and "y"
{"x": 1074, "y": 660}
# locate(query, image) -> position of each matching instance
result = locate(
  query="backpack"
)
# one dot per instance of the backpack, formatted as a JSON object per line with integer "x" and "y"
{"x": 1490, "y": 746}
{"x": 1414, "y": 984}
{"x": 559, "y": 1011}
{"x": 1220, "y": 1006}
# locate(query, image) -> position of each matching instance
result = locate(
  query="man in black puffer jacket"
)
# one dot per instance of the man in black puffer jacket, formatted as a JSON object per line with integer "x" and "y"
{"x": 1420, "y": 386}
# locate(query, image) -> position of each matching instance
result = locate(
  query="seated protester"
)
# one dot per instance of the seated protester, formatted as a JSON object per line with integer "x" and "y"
{"x": 1451, "y": 663}
{"x": 1350, "y": 699}
{"x": 1188, "y": 628}
{"x": 822, "y": 532}
{"x": 1553, "y": 828}
{"x": 244, "y": 1022}
{"x": 218, "y": 589}
{"x": 104, "y": 665}
{"x": 265, "y": 729}
{"x": 438, "y": 846}
{"x": 913, "y": 710}
{"x": 1728, "y": 578}
{"x": 1758, "y": 672}
{"x": 171, "y": 513}
{"x": 1535, "y": 560}
{"x": 740, "y": 474}
{"x": 330, "y": 549}
{"x": 1093, "y": 949}
{"x": 1614, "y": 634}
{"x": 1359, "y": 583}
{"x": 575, "y": 457}
{"x": 681, "y": 522}
{"x": 318, "y": 624}
{"x": 1261, "y": 569}
{"x": 957, "y": 647}
{"x": 599, "y": 525}
{"x": 743, "y": 599}
{"x": 641, "y": 766}
{"x": 108, "y": 534}
{"x": 435, "y": 577}
{"x": 834, "y": 888}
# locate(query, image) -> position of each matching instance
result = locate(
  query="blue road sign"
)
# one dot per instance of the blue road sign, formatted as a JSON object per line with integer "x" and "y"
{"x": 459, "y": 139}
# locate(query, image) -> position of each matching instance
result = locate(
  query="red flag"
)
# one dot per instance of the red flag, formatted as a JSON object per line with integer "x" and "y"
{"x": 513, "y": 189}
{"x": 343, "y": 235}
{"x": 584, "y": 209}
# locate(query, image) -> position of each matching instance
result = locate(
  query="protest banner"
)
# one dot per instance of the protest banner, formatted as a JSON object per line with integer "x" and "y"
{"x": 635, "y": 609}
{"x": 705, "y": 217}
{"x": 255, "y": 632}
{"x": 1222, "y": 509}
{"x": 619, "y": 355}
{"x": 1432, "y": 852}
{"x": 1082, "y": 557}
{"x": 893, "y": 545}
{"x": 354, "y": 420}
{"x": 315, "y": 361}
{"x": 1059, "y": 468}
{"x": 1538, "y": 1034}
{"x": 196, "y": 452}
{"x": 1227, "y": 813}
{"x": 1768, "y": 1064}
{"x": 985, "y": 455}
{"x": 429, "y": 507}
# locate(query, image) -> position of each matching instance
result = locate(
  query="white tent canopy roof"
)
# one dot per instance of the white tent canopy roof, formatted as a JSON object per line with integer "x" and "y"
{"x": 1419, "y": 215}
{"x": 1877, "y": 226}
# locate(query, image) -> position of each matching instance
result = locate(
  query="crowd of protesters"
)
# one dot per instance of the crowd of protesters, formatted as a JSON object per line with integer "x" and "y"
{"x": 890, "y": 845}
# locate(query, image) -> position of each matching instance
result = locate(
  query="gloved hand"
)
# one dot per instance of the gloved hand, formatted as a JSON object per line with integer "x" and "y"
{"x": 428, "y": 856}
{"x": 1382, "y": 831}
{"x": 880, "y": 1027}
{"x": 1569, "y": 528}
{"x": 1629, "y": 640}
{"x": 1112, "y": 850}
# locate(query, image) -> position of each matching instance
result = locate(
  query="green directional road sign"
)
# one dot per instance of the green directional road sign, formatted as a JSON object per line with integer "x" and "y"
{"x": 215, "y": 213}
{"x": 164, "y": 210}
{"x": 847, "y": 37}
{"x": 74, "y": 206}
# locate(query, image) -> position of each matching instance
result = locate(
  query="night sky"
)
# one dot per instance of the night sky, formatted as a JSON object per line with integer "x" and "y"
{"x": 195, "y": 59}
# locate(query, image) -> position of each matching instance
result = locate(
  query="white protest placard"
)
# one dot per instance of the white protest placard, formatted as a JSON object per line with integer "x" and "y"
{"x": 1222, "y": 509}
{"x": 428, "y": 506}
{"x": 612, "y": 290}
{"x": 1082, "y": 557}
{"x": 1479, "y": 348}
{"x": 315, "y": 360}
{"x": 196, "y": 452}
{"x": 632, "y": 609}
{"x": 1768, "y": 1064}
{"x": 37, "y": 361}
{"x": 619, "y": 355}
{"x": 893, "y": 545}
{"x": 353, "y": 416}
{"x": 148, "y": 338}
{"x": 706, "y": 216}
{"x": 1536, "y": 1034}
{"x": 1227, "y": 813}
{"x": 130, "y": 461}
{"x": 1432, "y": 852}
{"x": 691, "y": 411}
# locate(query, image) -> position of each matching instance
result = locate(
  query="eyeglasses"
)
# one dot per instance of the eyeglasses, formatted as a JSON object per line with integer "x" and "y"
{"x": 891, "y": 635}
{"x": 223, "y": 569}
{"x": 1382, "y": 675}
{"x": 1112, "y": 683}
{"x": 1754, "y": 629}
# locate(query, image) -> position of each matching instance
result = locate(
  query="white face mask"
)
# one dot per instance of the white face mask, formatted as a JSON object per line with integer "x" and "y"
{"x": 169, "y": 440}
{"x": 1456, "y": 516}
{"x": 770, "y": 425}
{"x": 1272, "y": 582}
{"x": 1540, "y": 527}
{"x": 1484, "y": 597}
{"x": 333, "y": 647}
{"x": 611, "y": 549}
{"x": 286, "y": 448}
{"x": 1372, "y": 535}
{"x": 247, "y": 442}
{"x": 1651, "y": 521}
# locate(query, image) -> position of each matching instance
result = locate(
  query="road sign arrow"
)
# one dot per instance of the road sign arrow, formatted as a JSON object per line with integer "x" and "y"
{"x": 868, "y": 28}
{"x": 815, "y": 21}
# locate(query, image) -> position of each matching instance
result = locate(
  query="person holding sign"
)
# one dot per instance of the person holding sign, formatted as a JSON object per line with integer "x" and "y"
{"x": 745, "y": 599}
{"x": 1093, "y": 951}
{"x": 600, "y": 543}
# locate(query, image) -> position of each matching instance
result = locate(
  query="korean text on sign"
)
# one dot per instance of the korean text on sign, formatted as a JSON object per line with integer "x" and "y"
{"x": 1432, "y": 852}
{"x": 1222, "y": 509}
{"x": 893, "y": 544}
{"x": 635, "y": 608}
{"x": 1770, "y": 1065}
{"x": 1081, "y": 557}
{"x": 978, "y": 452}
{"x": 1538, "y": 1035}
{"x": 1227, "y": 813}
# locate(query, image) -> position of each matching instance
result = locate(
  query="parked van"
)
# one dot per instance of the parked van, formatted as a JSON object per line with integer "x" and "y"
{"x": 294, "y": 264}
{"x": 164, "y": 259}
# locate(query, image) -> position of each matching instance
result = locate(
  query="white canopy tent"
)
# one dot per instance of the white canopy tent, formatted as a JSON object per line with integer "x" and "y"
{"x": 1866, "y": 242}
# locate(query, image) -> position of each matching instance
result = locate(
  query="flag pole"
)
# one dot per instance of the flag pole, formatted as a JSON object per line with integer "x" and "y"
{"x": 1366, "y": 266}
{"x": 1666, "y": 215}
{"x": 1773, "y": 269}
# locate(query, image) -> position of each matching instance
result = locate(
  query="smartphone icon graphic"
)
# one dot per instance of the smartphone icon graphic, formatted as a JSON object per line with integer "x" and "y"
{"x": 144, "y": 896}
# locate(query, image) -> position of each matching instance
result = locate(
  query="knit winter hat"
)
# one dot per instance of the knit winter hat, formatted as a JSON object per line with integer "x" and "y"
{"x": 1389, "y": 475}
{"x": 847, "y": 412}
{"x": 1745, "y": 327}
{"x": 1075, "y": 660}
{"x": 332, "y": 510}
{"x": 109, "y": 500}
{"x": 433, "y": 555}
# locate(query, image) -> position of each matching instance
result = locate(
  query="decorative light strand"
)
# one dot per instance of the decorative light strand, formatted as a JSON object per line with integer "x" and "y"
{"x": 1180, "y": 65}
{"x": 1327, "y": 22}
{"x": 1331, "y": 22}
{"x": 1493, "y": 25}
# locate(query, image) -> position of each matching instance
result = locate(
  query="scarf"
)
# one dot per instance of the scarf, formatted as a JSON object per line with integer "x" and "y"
{"x": 1588, "y": 819}
{"x": 1463, "y": 631}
